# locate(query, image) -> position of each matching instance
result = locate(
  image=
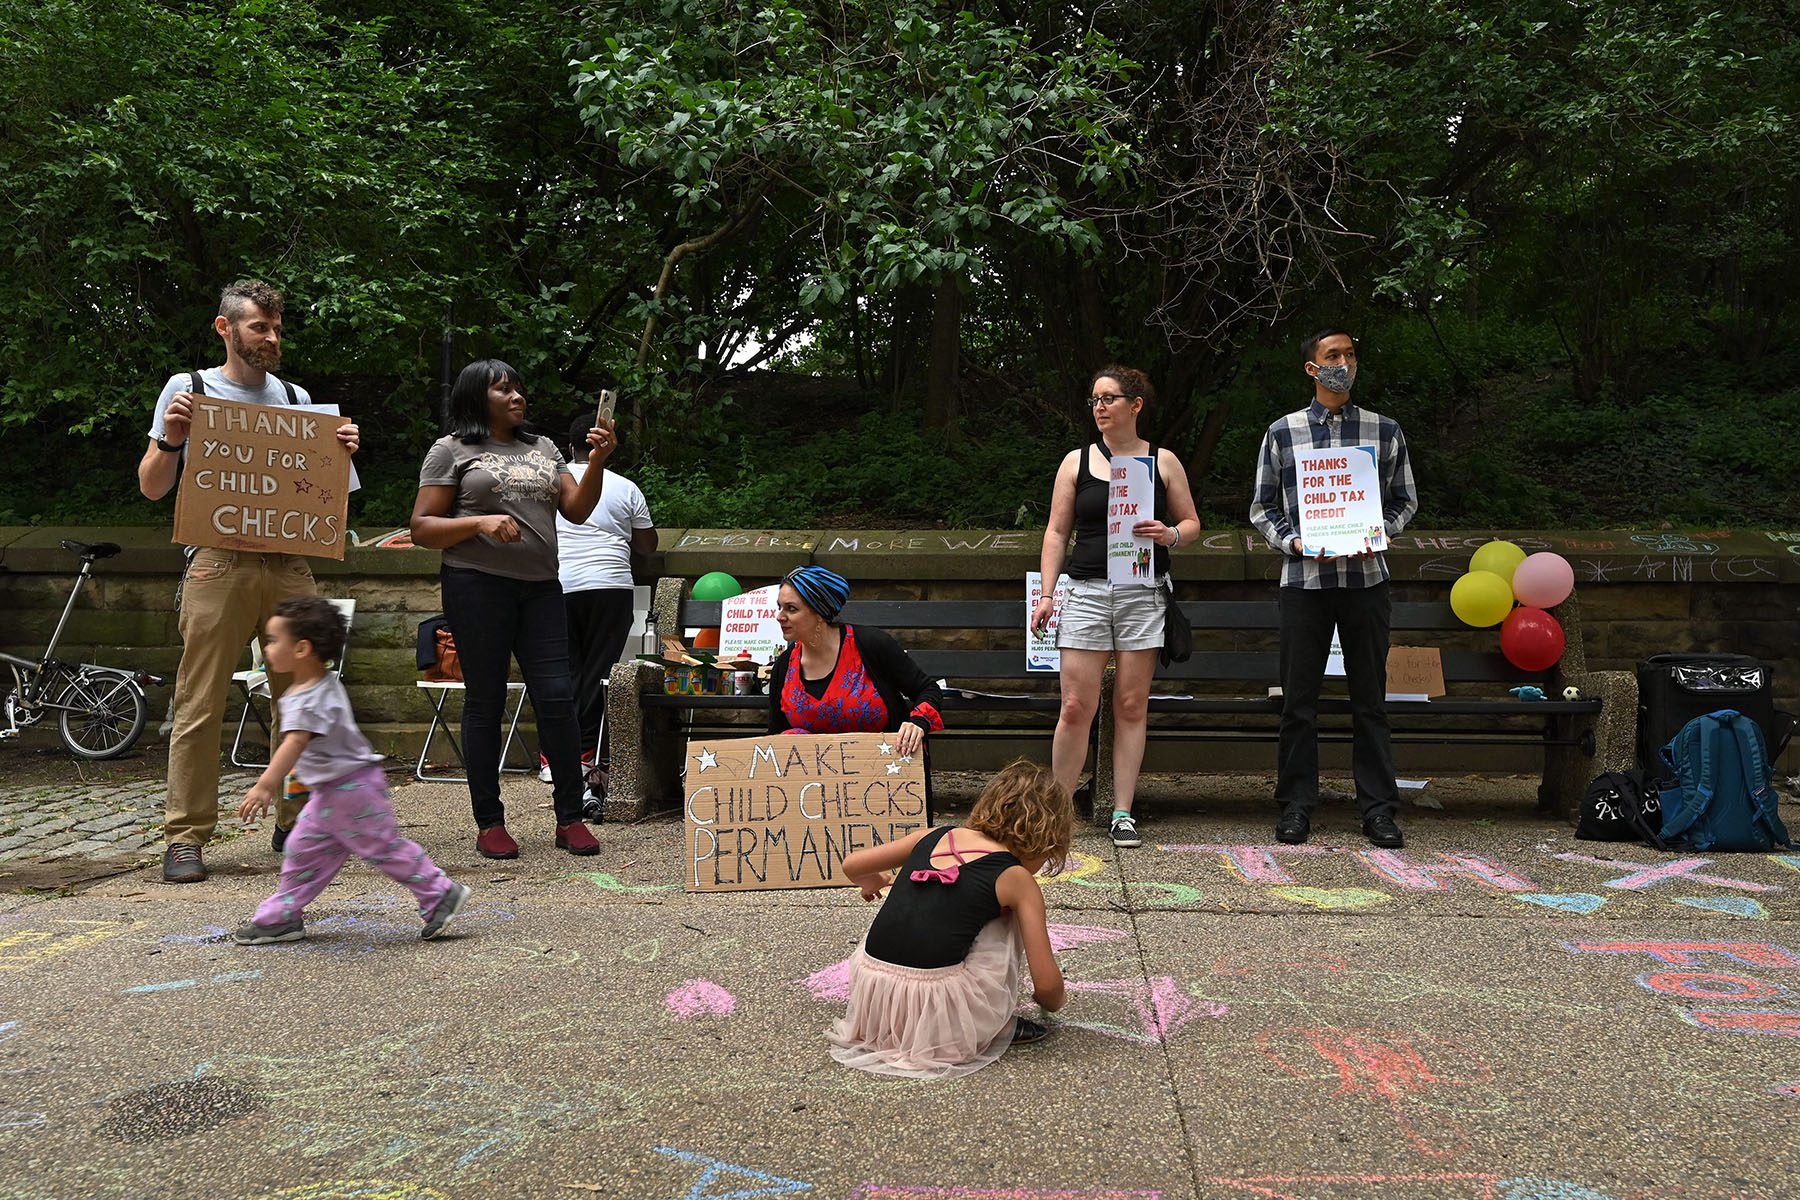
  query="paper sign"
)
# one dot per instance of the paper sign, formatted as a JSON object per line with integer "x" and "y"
{"x": 1334, "y": 658}
{"x": 1041, "y": 653}
{"x": 263, "y": 477}
{"x": 1415, "y": 670}
{"x": 1130, "y": 499}
{"x": 783, "y": 811}
{"x": 747, "y": 626}
{"x": 1340, "y": 500}
{"x": 332, "y": 410}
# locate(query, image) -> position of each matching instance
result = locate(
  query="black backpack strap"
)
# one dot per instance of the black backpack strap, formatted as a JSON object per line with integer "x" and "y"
{"x": 194, "y": 384}
{"x": 293, "y": 397}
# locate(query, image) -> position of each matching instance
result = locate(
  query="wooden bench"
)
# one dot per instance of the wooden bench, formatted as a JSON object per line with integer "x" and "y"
{"x": 1226, "y": 683}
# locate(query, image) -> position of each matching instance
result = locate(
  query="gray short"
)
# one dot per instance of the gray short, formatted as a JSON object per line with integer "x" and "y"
{"x": 1100, "y": 616}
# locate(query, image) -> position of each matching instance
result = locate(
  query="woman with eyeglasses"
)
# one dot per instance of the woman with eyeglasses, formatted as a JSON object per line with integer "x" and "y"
{"x": 1100, "y": 619}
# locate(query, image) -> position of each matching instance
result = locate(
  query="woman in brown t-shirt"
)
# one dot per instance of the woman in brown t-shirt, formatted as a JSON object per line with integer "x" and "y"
{"x": 488, "y": 497}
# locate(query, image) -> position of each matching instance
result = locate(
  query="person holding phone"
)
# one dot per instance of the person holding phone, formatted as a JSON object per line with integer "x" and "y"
{"x": 489, "y": 495}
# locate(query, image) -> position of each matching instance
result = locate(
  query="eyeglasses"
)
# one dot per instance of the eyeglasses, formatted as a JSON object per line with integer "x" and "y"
{"x": 1107, "y": 399}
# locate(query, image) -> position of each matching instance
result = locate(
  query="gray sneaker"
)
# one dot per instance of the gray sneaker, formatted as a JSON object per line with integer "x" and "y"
{"x": 1124, "y": 832}
{"x": 252, "y": 934}
{"x": 448, "y": 907}
{"x": 182, "y": 863}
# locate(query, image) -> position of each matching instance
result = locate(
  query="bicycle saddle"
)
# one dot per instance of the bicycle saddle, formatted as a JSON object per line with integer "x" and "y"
{"x": 92, "y": 552}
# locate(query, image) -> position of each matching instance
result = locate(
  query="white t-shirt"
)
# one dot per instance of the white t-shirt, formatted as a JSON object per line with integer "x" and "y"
{"x": 219, "y": 385}
{"x": 597, "y": 552}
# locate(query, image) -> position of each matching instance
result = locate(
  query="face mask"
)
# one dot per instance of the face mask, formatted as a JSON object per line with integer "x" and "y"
{"x": 1336, "y": 377}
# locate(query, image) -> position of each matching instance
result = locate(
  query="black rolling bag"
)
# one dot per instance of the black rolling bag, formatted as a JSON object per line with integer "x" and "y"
{"x": 1673, "y": 689}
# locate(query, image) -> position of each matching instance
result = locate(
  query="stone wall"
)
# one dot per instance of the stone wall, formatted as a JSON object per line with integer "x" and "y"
{"x": 1641, "y": 593}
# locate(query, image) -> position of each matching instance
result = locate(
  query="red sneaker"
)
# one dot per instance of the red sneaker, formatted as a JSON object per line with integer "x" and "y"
{"x": 495, "y": 842}
{"x": 576, "y": 839}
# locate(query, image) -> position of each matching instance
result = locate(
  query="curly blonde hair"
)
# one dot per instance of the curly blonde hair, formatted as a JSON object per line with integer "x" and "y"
{"x": 1028, "y": 812}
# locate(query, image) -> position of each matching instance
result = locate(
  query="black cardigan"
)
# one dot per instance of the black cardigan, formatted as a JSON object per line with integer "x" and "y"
{"x": 898, "y": 680}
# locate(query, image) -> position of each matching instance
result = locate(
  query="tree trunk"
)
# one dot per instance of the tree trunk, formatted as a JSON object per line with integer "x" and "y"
{"x": 946, "y": 356}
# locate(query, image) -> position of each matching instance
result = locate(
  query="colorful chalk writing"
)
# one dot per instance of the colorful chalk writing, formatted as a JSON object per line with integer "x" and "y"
{"x": 25, "y": 949}
{"x": 877, "y": 1191}
{"x": 699, "y": 998}
{"x": 1158, "y": 1005}
{"x": 1332, "y": 899}
{"x": 175, "y": 985}
{"x": 1731, "y": 906}
{"x": 1790, "y": 1090}
{"x": 1574, "y": 902}
{"x": 1714, "y": 986}
{"x": 717, "y": 1172}
{"x": 1252, "y": 864}
{"x": 1687, "y": 954}
{"x": 1711, "y": 985}
{"x": 1445, "y": 1185}
{"x": 1389, "y": 1067}
{"x": 1070, "y": 937}
{"x": 1433, "y": 877}
{"x": 1647, "y": 875}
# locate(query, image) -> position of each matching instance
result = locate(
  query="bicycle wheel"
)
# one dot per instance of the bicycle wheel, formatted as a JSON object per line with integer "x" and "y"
{"x": 104, "y": 717}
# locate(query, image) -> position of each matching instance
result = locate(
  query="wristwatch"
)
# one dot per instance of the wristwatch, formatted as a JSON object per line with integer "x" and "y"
{"x": 168, "y": 449}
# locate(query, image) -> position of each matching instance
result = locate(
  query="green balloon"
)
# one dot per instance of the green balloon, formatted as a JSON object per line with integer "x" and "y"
{"x": 1481, "y": 599}
{"x": 1502, "y": 558}
{"x": 716, "y": 585}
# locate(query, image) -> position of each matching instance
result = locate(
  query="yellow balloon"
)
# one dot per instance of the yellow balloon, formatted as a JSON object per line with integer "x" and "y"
{"x": 1502, "y": 558}
{"x": 1481, "y": 599}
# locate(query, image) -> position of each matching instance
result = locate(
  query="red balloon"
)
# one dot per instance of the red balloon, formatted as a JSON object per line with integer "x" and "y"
{"x": 1531, "y": 639}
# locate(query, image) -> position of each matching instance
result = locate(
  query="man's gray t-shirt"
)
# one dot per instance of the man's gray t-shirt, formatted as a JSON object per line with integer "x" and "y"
{"x": 506, "y": 479}
{"x": 215, "y": 383}
{"x": 337, "y": 747}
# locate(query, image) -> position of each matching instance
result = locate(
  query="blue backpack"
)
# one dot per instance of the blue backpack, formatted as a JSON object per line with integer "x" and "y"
{"x": 1717, "y": 792}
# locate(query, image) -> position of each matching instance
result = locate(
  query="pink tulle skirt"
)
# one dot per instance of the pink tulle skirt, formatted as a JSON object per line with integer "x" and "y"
{"x": 933, "y": 1023}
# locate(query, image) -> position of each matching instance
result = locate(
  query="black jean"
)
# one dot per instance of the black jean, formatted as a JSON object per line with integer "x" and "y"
{"x": 1361, "y": 616}
{"x": 599, "y": 623}
{"x": 495, "y": 620}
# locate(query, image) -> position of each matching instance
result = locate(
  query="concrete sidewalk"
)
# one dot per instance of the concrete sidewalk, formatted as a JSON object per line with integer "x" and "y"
{"x": 1497, "y": 1011}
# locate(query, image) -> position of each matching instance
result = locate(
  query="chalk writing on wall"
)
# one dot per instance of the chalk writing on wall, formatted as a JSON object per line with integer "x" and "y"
{"x": 783, "y": 811}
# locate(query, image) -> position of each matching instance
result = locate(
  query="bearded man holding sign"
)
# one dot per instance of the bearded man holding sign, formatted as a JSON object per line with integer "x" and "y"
{"x": 1343, "y": 585}
{"x": 226, "y": 595}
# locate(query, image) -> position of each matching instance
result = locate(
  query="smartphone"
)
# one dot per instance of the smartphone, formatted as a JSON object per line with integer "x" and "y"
{"x": 609, "y": 401}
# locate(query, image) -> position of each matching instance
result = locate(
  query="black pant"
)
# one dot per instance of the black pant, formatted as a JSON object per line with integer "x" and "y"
{"x": 494, "y": 620}
{"x": 1361, "y": 616}
{"x": 599, "y": 623}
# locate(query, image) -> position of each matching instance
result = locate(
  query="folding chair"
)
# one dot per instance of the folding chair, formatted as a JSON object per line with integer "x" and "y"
{"x": 254, "y": 684}
{"x": 438, "y": 690}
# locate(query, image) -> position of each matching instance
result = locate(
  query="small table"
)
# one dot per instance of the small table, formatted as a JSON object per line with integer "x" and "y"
{"x": 439, "y": 691}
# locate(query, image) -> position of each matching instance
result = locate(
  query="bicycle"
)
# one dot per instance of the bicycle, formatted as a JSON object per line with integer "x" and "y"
{"x": 100, "y": 711}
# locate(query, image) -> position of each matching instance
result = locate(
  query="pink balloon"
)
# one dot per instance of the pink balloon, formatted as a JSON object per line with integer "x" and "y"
{"x": 1531, "y": 639}
{"x": 1544, "y": 580}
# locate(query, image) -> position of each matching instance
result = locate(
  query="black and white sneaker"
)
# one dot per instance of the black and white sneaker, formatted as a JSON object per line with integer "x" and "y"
{"x": 1124, "y": 831}
{"x": 252, "y": 934}
{"x": 448, "y": 907}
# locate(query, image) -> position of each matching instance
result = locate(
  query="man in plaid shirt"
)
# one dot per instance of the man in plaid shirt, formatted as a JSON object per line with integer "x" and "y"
{"x": 1319, "y": 592}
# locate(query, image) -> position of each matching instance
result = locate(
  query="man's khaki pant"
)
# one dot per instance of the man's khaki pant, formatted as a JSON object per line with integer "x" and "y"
{"x": 226, "y": 597}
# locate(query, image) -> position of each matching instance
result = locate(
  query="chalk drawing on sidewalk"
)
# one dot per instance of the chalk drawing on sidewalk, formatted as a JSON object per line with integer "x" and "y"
{"x": 1082, "y": 869}
{"x": 1705, "y": 982}
{"x": 880, "y": 1191}
{"x": 1790, "y": 1090}
{"x": 356, "y": 1189}
{"x": 1416, "y": 1077}
{"x": 699, "y": 998}
{"x": 611, "y": 883}
{"x": 1332, "y": 899}
{"x": 26, "y": 948}
{"x": 1435, "y": 876}
{"x": 176, "y": 985}
{"x": 1580, "y": 903}
{"x": 1439, "y": 1185}
{"x": 718, "y": 1173}
{"x": 1158, "y": 1005}
{"x": 353, "y": 928}
{"x": 1647, "y": 875}
{"x": 1731, "y": 906}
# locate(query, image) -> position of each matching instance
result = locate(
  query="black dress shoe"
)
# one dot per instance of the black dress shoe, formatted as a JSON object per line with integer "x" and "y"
{"x": 1294, "y": 827}
{"x": 1381, "y": 831}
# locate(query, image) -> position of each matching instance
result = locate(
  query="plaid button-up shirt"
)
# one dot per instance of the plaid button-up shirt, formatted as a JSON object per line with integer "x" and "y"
{"x": 1275, "y": 507}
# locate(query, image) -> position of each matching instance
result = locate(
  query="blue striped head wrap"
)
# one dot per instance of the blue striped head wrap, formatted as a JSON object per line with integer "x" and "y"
{"x": 824, "y": 591}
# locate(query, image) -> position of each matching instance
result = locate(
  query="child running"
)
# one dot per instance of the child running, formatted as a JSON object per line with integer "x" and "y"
{"x": 349, "y": 812}
{"x": 934, "y": 984}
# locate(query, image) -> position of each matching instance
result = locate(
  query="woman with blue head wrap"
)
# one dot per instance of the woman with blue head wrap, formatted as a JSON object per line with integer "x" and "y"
{"x": 842, "y": 678}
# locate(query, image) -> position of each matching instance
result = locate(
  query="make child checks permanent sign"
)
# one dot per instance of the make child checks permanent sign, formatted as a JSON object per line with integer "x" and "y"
{"x": 263, "y": 477}
{"x": 783, "y": 811}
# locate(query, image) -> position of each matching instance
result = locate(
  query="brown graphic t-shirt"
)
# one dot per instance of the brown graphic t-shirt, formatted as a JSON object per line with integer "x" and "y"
{"x": 510, "y": 478}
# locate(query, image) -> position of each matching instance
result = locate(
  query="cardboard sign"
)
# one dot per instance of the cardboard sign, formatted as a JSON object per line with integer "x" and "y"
{"x": 263, "y": 477}
{"x": 1041, "y": 653}
{"x": 1130, "y": 498}
{"x": 1415, "y": 671}
{"x": 747, "y": 626}
{"x": 1340, "y": 500}
{"x": 783, "y": 810}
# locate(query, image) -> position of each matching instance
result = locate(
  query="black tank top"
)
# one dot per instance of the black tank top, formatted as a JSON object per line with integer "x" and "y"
{"x": 1088, "y": 559}
{"x": 932, "y": 923}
